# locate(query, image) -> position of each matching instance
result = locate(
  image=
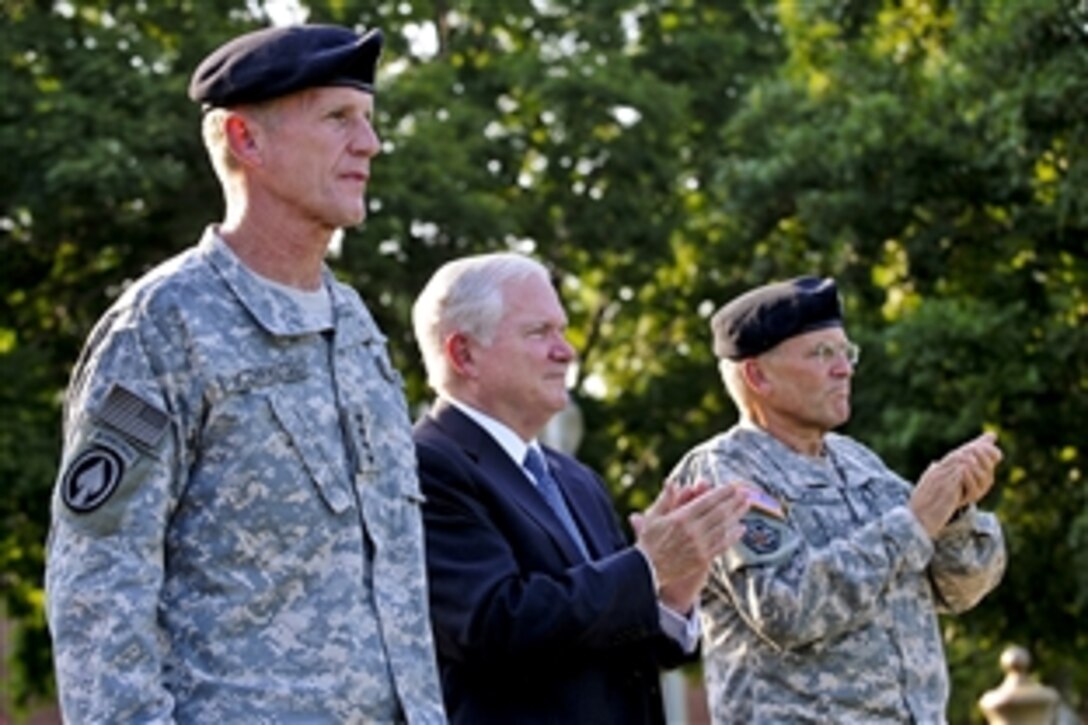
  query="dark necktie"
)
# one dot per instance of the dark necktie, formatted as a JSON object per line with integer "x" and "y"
{"x": 549, "y": 489}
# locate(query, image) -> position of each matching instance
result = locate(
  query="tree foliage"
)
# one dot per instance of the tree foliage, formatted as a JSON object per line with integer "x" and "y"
{"x": 661, "y": 156}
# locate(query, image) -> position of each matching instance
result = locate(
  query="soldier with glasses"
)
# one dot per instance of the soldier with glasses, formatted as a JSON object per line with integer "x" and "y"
{"x": 826, "y": 610}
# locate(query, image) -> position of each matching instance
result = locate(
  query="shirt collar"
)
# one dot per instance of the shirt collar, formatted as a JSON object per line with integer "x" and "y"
{"x": 507, "y": 439}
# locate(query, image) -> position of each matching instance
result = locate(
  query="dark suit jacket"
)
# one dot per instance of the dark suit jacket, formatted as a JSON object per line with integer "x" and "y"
{"x": 528, "y": 632}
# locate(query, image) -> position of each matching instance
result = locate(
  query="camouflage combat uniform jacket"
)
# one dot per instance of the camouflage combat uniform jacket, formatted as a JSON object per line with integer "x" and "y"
{"x": 236, "y": 530}
{"x": 826, "y": 611}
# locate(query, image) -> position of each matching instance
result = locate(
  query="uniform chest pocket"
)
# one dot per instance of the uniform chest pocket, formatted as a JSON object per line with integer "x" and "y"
{"x": 817, "y": 513}
{"x": 823, "y": 513}
{"x": 311, "y": 441}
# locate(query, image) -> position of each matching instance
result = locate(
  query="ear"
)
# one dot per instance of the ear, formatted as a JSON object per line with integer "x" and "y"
{"x": 458, "y": 347}
{"x": 755, "y": 377}
{"x": 244, "y": 138}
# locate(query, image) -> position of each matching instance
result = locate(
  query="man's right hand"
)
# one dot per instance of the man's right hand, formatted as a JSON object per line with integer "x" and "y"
{"x": 682, "y": 533}
{"x": 959, "y": 479}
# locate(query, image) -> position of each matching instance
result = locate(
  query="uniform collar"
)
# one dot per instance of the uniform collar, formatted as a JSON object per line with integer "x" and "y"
{"x": 275, "y": 311}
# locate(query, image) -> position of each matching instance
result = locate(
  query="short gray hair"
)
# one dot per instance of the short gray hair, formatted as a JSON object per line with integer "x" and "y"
{"x": 465, "y": 295}
{"x": 735, "y": 384}
{"x": 213, "y": 126}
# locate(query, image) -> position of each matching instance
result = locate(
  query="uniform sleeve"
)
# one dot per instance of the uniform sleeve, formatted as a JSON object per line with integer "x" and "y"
{"x": 104, "y": 572}
{"x": 969, "y": 560}
{"x": 791, "y": 593}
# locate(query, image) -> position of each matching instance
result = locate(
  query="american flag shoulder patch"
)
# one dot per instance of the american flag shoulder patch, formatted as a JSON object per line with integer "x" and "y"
{"x": 132, "y": 416}
{"x": 765, "y": 502}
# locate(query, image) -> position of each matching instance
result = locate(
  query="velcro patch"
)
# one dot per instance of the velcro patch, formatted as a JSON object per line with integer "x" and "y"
{"x": 92, "y": 478}
{"x": 130, "y": 415}
{"x": 768, "y": 539}
{"x": 765, "y": 502}
{"x": 760, "y": 537}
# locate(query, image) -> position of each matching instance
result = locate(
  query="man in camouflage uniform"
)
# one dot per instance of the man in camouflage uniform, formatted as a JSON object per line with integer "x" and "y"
{"x": 826, "y": 611}
{"x": 236, "y": 529}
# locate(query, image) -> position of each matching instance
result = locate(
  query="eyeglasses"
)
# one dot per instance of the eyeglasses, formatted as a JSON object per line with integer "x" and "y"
{"x": 827, "y": 353}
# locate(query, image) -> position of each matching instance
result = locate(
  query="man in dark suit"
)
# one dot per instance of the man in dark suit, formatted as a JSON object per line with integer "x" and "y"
{"x": 542, "y": 612}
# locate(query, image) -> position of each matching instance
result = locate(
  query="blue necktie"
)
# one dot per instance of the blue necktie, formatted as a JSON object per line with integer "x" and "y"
{"x": 549, "y": 489}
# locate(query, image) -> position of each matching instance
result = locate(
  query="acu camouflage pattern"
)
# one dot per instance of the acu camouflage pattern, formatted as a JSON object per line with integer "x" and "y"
{"x": 841, "y": 626}
{"x": 263, "y": 561}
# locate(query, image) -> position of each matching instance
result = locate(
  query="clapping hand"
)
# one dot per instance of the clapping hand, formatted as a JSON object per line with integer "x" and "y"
{"x": 961, "y": 478}
{"x": 683, "y": 531}
{"x": 978, "y": 459}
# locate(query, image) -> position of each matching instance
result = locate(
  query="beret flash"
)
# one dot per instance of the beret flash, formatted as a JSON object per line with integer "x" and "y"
{"x": 273, "y": 62}
{"x": 761, "y": 318}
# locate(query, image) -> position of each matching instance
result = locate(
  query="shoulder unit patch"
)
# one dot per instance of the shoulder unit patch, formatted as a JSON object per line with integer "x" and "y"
{"x": 760, "y": 537}
{"x": 92, "y": 478}
{"x": 768, "y": 539}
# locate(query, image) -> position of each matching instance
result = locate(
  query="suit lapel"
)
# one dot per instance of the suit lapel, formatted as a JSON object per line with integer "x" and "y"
{"x": 496, "y": 466}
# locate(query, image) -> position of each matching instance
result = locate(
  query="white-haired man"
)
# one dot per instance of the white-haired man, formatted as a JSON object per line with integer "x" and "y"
{"x": 543, "y": 613}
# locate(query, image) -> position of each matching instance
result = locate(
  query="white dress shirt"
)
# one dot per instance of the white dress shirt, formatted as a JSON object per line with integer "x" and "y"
{"x": 684, "y": 630}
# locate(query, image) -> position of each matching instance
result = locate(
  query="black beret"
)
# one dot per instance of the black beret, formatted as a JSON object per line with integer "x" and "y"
{"x": 765, "y": 316}
{"x": 274, "y": 62}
